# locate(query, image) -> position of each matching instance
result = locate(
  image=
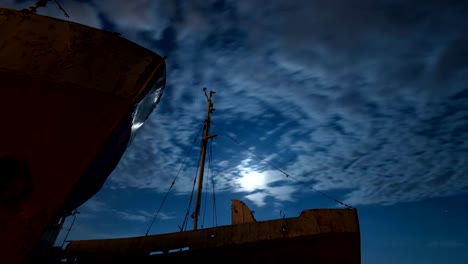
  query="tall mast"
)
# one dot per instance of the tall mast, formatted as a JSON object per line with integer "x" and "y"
{"x": 206, "y": 136}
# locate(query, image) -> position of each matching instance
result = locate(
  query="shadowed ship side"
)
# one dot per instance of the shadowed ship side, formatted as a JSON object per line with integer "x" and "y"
{"x": 71, "y": 97}
{"x": 316, "y": 236}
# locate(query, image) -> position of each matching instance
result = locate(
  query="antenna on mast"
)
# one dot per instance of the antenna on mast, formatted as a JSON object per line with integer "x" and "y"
{"x": 206, "y": 136}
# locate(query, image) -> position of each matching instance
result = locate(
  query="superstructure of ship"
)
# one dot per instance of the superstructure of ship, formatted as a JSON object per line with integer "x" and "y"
{"x": 71, "y": 99}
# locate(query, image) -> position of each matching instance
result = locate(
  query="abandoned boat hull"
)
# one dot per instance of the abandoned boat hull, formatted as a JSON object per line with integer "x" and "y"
{"x": 316, "y": 236}
{"x": 70, "y": 95}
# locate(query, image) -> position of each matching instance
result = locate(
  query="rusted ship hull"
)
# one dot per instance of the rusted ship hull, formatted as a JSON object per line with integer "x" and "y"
{"x": 69, "y": 97}
{"x": 316, "y": 236}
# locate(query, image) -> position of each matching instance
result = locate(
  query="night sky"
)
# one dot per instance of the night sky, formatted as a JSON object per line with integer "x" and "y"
{"x": 365, "y": 101}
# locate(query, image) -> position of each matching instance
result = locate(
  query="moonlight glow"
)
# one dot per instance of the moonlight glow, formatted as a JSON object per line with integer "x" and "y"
{"x": 252, "y": 180}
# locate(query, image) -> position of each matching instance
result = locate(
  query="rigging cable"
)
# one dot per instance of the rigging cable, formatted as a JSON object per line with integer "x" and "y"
{"x": 204, "y": 206}
{"x": 61, "y": 8}
{"x": 73, "y": 213}
{"x": 210, "y": 172}
{"x": 173, "y": 182}
{"x": 215, "y": 217}
{"x": 286, "y": 174}
{"x": 184, "y": 224}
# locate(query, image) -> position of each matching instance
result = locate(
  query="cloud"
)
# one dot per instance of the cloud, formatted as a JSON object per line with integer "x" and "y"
{"x": 166, "y": 216}
{"x": 363, "y": 108}
{"x": 94, "y": 205}
{"x": 138, "y": 15}
{"x": 257, "y": 198}
{"x": 142, "y": 216}
{"x": 138, "y": 217}
{"x": 368, "y": 97}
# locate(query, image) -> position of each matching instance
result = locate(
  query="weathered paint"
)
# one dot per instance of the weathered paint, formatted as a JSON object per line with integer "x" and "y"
{"x": 241, "y": 213}
{"x": 67, "y": 98}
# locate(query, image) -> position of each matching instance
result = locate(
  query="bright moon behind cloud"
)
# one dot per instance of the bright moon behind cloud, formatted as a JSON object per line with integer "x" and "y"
{"x": 251, "y": 180}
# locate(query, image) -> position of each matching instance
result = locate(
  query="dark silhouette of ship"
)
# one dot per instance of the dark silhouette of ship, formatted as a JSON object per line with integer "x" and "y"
{"x": 71, "y": 99}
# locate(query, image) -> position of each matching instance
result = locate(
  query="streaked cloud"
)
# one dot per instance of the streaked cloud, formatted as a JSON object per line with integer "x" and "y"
{"x": 139, "y": 216}
{"x": 257, "y": 198}
{"x": 166, "y": 216}
{"x": 366, "y": 96}
{"x": 346, "y": 101}
{"x": 94, "y": 205}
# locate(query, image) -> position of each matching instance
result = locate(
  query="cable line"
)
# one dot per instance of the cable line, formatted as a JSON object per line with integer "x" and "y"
{"x": 173, "y": 181}
{"x": 210, "y": 157}
{"x": 184, "y": 224}
{"x": 204, "y": 206}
